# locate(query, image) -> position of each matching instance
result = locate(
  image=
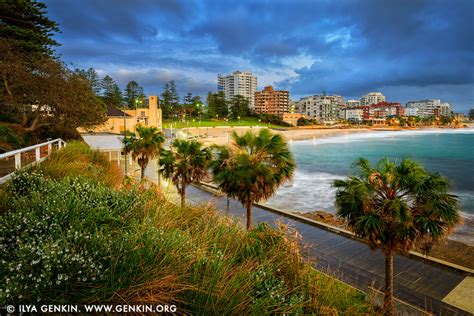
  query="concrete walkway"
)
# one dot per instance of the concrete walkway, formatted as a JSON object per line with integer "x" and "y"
{"x": 417, "y": 283}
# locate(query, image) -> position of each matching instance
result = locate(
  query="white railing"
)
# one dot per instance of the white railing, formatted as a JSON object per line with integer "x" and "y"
{"x": 16, "y": 154}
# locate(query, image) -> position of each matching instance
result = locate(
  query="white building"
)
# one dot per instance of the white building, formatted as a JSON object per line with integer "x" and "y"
{"x": 411, "y": 111}
{"x": 323, "y": 108}
{"x": 372, "y": 98}
{"x": 238, "y": 83}
{"x": 352, "y": 103}
{"x": 354, "y": 114}
{"x": 428, "y": 108}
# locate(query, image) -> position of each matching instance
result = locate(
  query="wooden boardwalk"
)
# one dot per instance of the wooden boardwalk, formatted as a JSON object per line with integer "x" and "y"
{"x": 351, "y": 261}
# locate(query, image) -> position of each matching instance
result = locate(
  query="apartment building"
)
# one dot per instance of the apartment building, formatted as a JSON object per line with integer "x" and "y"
{"x": 242, "y": 83}
{"x": 324, "y": 108}
{"x": 270, "y": 101}
{"x": 386, "y": 109}
{"x": 372, "y": 98}
{"x": 355, "y": 114}
{"x": 352, "y": 103}
{"x": 429, "y": 108}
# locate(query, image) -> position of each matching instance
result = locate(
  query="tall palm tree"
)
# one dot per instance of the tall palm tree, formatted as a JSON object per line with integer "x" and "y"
{"x": 253, "y": 167}
{"x": 393, "y": 206}
{"x": 185, "y": 163}
{"x": 145, "y": 145}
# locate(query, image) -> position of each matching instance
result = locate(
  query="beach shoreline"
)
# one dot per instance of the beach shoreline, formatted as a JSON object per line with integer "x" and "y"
{"x": 221, "y": 135}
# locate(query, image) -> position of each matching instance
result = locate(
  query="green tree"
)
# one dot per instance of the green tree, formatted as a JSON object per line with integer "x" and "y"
{"x": 253, "y": 167}
{"x": 111, "y": 93}
{"x": 166, "y": 101}
{"x": 133, "y": 94}
{"x": 25, "y": 25}
{"x": 93, "y": 78}
{"x": 185, "y": 163}
{"x": 393, "y": 206}
{"x": 42, "y": 93}
{"x": 174, "y": 96}
{"x": 239, "y": 107}
{"x": 170, "y": 100}
{"x": 217, "y": 105}
{"x": 188, "y": 105}
{"x": 211, "y": 105}
{"x": 145, "y": 145}
{"x": 471, "y": 114}
{"x": 188, "y": 98}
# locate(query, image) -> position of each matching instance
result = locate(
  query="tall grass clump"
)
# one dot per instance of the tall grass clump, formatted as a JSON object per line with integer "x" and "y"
{"x": 75, "y": 240}
{"x": 78, "y": 159}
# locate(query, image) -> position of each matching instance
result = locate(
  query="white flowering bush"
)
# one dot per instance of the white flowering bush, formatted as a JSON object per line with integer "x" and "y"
{"x": 59, "y": 236}
{"x": 78, "y": 240}
{"x": 271, "y": 290}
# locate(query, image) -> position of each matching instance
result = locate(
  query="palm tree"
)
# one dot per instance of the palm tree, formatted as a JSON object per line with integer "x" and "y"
{"x": 185, "y": 163}
{"x": 393, "y": 206}
{"x": 144, "y": 146}
{"x": 253, "y": 167}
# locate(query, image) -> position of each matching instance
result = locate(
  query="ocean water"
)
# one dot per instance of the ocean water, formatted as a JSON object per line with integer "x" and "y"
{"x": 321, "y": 161}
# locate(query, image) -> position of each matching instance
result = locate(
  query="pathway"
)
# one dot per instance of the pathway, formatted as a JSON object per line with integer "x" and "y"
{"x": 353, "y": 262}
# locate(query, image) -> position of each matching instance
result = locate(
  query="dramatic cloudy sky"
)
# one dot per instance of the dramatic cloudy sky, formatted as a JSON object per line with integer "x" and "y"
{"x": 407, "y": 49}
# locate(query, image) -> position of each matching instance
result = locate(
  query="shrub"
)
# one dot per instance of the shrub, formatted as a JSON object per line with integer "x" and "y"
{"x": 77, "y": 240}
{"x": 273, "y": 119}
{"x": 78, "y": 159}
{"x": 58, "y": 235}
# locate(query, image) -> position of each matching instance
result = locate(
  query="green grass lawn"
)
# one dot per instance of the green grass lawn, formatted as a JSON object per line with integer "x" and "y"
{"x": 247, "y": 121}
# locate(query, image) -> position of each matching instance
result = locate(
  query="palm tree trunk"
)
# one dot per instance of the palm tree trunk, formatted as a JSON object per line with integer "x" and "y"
{"x": 249, "y": 214}
{"x": 388, "y": 299}
{"x": 183, "y": 196}
{"x": 142, "y": 174}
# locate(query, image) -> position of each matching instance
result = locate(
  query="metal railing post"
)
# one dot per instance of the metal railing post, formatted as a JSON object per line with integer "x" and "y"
{"x": 18, "y": 161}
{"x": 37, "y": 153}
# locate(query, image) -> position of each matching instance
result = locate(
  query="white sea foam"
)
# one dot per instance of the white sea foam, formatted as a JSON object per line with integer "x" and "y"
{"x": 308, "y": 192}
{"x": 347, "y": 137}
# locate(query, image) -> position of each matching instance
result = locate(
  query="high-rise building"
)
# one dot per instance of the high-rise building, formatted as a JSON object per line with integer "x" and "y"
{"x": 372, "y": 98}
{"x": 352, "y": 103}
{"x": 428, "y": 108}
{"x": 324, "y": 108}
{"x": 271, "y": 101}
{"x": 242, "y": 83}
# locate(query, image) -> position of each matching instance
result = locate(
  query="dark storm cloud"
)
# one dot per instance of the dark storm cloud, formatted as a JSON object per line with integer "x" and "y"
{"x": 411, "y": 49}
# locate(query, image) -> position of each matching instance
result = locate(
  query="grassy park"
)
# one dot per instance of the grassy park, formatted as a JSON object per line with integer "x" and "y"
{"x": 247, "y": 121}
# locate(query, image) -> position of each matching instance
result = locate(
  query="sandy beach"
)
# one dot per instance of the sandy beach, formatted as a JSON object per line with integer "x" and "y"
{"x": 221, "y": 135}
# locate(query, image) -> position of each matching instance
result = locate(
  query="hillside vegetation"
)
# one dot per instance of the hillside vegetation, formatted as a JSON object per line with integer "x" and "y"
{"x": 70, "y": 233}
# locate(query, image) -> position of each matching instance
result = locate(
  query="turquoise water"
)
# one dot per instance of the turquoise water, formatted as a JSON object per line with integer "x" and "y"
{"x": 321, "y": 161}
